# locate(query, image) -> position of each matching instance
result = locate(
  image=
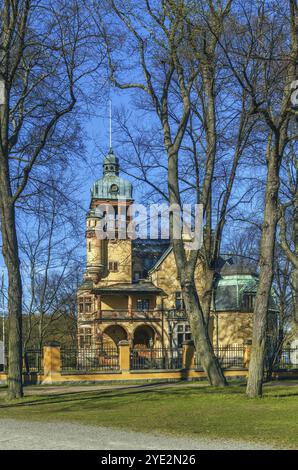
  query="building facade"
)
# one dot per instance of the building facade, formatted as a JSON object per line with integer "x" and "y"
{"x": 131, "y": 290}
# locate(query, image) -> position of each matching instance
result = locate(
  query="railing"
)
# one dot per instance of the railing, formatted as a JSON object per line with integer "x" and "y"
{"x": 107, "y": 359}
{"x": 175, "y": 314}
{"x": 3, "y": 367}
{"x": 32, "y": 361}
{"x": 288, "y": 359}
{"x": 156, "y": 358}
{"x": 126, "y": 314}
{"x": 228, "y": 356}
{"x": 89, "y": 360}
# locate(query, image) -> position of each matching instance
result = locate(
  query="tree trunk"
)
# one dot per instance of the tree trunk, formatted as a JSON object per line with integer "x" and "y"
{"x": 200, "y": 334}
{"x": 205, "y": 295}
{"x": 186, "y": 268}
{"x": 295, "y": 268}
{"x": 11, "y": 257}
{"x": 295, "y": 293}
{"x": 256, "y": 367}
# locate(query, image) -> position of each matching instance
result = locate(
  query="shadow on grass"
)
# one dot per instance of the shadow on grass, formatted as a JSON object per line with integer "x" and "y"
{"x": 163, "y": 390}
{"x": 148, "y": 392}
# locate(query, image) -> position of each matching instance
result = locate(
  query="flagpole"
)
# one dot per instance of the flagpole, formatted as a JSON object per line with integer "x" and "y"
{"x": 110, "y": 119}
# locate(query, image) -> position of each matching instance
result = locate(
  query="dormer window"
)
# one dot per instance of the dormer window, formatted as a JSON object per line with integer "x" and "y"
{"x": 249, "y": 302}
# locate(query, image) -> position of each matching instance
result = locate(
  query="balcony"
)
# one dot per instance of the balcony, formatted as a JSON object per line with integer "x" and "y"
{"x": 173, "y": 314}
{"x": 128, "y": 315}
{"x": 108, "y": 315}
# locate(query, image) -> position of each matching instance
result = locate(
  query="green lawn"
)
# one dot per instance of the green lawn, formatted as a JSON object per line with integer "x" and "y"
{"x": 183, "y": 409}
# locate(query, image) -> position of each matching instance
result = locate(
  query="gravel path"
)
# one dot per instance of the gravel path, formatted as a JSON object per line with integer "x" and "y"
{"x": 24, "y": 435}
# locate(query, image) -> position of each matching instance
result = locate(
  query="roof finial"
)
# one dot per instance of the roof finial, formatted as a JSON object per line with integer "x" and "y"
{"x": 110, "y": 103}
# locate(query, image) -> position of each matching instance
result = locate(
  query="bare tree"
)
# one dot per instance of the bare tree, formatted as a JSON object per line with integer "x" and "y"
{"x": 44, "y": 56}
{"x": 50, "y": 263}
{"x": 264, "y": 62}
{"x": 173, "y": 46}
{"x": 288, "y": 221}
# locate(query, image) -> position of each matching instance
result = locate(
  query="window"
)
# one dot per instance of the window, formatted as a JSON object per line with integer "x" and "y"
{"x": 85, "y": 305}
{"x": 179, "y": 301}
{"x": 249, "y": 302}
{"x": 143, "y": 304}
{"x": 182, "y": 333}
{"x": 85, "y": 338}
{"x": 113, "y": 266}
{"x": 114, "y": 188}
{"x": 89, "y": 247}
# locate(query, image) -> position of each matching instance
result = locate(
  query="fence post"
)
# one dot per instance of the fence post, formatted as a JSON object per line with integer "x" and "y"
{"x": 188, "y": 355}
{"x": 247, "y": 353}
{"x": 124, "y": 355}
{"x": 51, "y": 362}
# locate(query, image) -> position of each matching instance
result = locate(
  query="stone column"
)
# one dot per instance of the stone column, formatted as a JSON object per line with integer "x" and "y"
{"x": 129, "y": 306}
{"x": 188, "y": 355}
{"x": 124, "y": 355}
{"x": 98, "y": 307}
{"x": 247, "y": 353}
{"x": 51, "y": 363}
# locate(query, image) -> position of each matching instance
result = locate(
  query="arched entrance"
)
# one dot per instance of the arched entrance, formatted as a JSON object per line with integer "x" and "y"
{"x": 112, "y": 335}
{"x": 144, "y": 337}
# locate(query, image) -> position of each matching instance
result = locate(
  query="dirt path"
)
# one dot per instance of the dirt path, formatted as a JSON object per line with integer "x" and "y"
{"x": 25, "y": 435}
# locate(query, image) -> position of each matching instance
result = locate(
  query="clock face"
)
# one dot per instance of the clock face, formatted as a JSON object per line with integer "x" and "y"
{"x": 114, "y": 188}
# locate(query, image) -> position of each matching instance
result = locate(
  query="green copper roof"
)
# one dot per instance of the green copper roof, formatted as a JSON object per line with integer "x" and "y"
{"x": 232, "y": 290}
{"x": 229, "y": 291}
{"x": 111, "y": 186}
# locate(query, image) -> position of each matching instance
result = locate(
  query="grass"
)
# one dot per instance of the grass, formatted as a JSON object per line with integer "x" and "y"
{"x": 182, "y": 409}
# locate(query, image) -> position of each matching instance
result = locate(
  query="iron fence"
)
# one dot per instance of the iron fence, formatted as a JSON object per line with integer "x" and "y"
{"x": 89, "y": 360}
{"x": 156, "y": 358}
{"x": 286, "y": 359}
{"x": 228, "y": 356}
{"x": 32, "y": 360}
{"x": 4, "y": 361}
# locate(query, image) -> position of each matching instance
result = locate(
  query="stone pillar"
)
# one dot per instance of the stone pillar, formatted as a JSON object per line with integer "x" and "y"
{"x": 188, "y": 355}
{"x": 124, "y": 355}
{"x": 247, "y": 353}
{"x": 97, "y": 307}
{"x": 129, "y": 306}
{"x": 51, "y": 362}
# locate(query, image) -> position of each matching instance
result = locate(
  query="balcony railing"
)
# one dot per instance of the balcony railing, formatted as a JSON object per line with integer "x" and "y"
{"x": 174, "y": 314}
{"x": 125, "y": 314}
